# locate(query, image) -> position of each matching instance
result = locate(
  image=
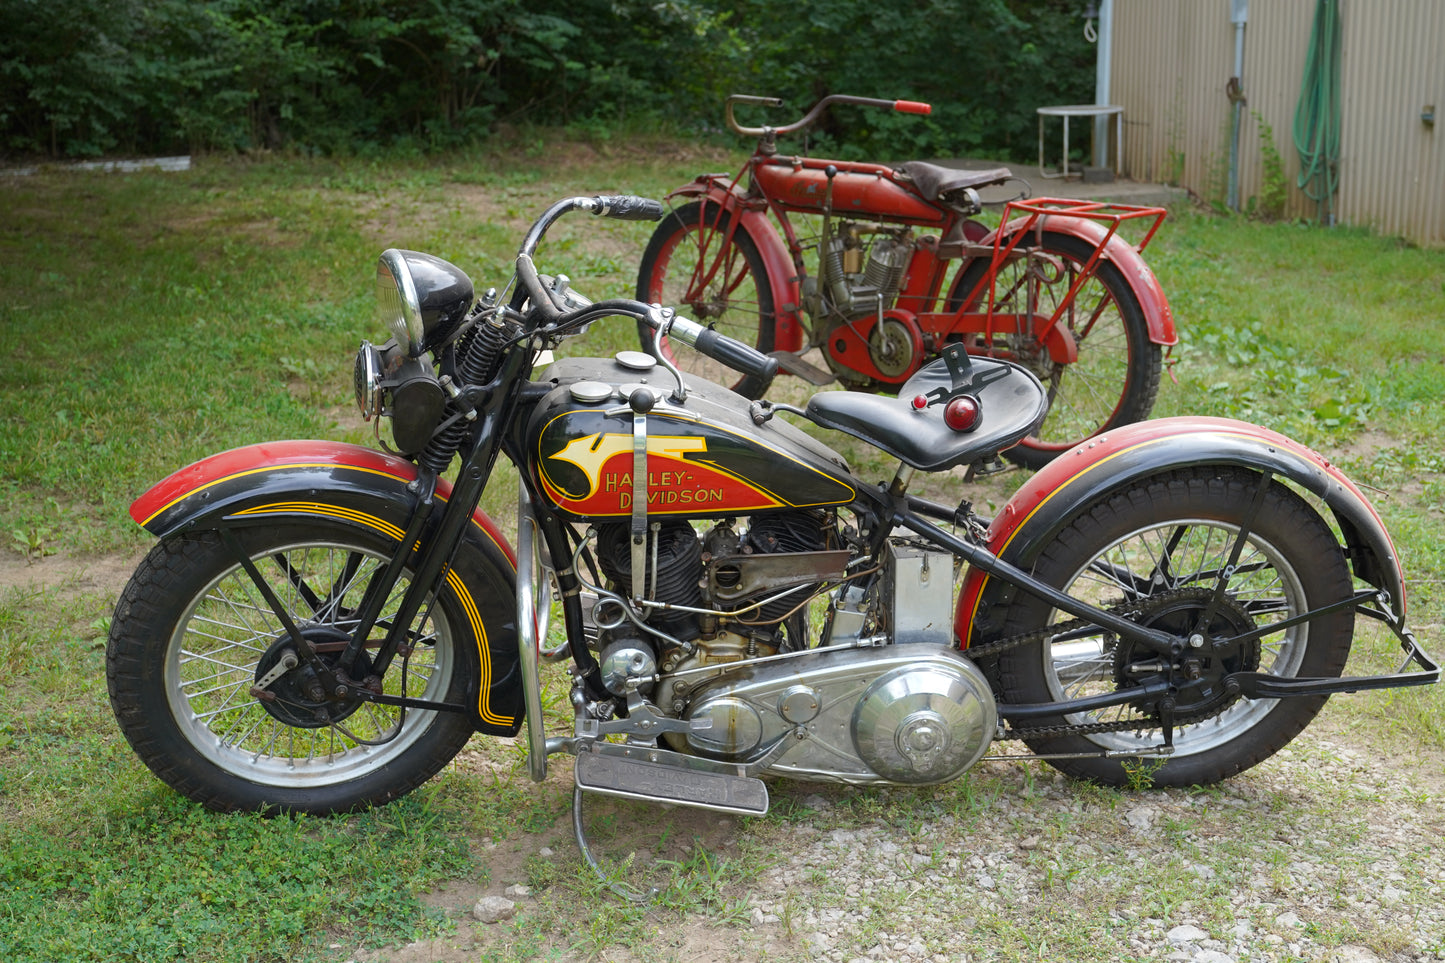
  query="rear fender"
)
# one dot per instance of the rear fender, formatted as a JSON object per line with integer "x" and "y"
{"x": 782, "y": 276}
{"x": 298, "y": 480}
{"x": 1124, "y": 256}
{"x": 1052, "y": 498}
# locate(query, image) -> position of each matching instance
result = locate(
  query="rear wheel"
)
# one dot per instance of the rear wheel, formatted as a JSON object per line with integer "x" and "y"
{"x": 690, "y": 265}
{"x": 1157, "y": 550}
{"x": 1115, "y": 379}
{"x": 193, "y": 635}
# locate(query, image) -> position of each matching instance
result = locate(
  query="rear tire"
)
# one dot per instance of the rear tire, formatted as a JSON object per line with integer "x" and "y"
{"x": 191, "y": 634}
{"x": 736, "y": 300}
{"x": 1160, "y": 545}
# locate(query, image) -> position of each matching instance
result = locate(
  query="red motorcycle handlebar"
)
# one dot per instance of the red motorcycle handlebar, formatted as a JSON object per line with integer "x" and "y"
{"x": 902, "y": 106}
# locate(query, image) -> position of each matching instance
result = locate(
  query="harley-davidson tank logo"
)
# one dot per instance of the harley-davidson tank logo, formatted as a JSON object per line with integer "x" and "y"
{"x": 680, "y": 477}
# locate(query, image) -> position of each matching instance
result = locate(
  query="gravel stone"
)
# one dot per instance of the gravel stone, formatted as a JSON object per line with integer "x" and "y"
{"x": 1186, "y": 934}
{"x": 494, "y": 909}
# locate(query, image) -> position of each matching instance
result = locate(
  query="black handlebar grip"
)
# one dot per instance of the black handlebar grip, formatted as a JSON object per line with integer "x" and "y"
{"x": 626, "y": 207}
{"x": 738, "y": 356}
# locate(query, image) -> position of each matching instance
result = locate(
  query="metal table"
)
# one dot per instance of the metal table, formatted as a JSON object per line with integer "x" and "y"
{"x": 1081, "y": 110}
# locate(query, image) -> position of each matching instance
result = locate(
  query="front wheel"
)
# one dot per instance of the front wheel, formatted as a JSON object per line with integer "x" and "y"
{"x": 1158, "y": 551}
{"x": 193, "y": 634}
{"x": 1114, "y": 379}
{"x": 692, "y": 265}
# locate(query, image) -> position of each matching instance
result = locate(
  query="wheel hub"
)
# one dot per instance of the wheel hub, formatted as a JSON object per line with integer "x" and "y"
{"x": 298, "y": 698}
{"x": 1199, "y": 670}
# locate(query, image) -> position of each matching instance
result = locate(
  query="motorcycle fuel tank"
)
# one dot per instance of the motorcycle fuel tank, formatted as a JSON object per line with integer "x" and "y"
{"x": 705, "y": 457}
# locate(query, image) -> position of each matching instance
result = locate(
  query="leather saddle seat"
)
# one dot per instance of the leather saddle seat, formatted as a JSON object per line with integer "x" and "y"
{"x": 1012, "y": 404}
{"x": 934, "y": 182}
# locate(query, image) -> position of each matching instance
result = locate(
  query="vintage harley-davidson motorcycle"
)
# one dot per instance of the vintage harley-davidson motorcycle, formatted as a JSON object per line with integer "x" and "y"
{"x": 322, "y": 626}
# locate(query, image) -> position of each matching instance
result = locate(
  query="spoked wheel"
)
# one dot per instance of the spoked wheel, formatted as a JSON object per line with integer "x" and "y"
{"x": 193, "y": 635}
{"x": 1115, "y": 379}
{"x": 1158, "y": 551}
{"x": 691, "y": 265}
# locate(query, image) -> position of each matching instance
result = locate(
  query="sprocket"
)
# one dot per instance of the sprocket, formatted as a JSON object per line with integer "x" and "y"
{"x": 1201, "y": 670}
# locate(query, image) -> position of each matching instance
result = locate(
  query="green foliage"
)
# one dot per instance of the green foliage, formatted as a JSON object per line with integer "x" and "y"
{"x": 89, "y": 77}
{"x": 164, "y": 880}
{"x": 985, "y": 65}
{"x": 1274, "y": 186}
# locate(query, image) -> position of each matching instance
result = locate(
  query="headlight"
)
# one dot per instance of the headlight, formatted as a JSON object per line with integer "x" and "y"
{"x": 421, "y": 299}
{"x": 367, "y": 377}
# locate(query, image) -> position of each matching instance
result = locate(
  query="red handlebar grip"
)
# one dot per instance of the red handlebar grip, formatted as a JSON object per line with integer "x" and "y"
{"x": 912, "y": 107}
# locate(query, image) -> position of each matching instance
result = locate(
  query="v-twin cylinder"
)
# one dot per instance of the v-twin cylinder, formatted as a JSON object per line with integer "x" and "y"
{"x": 915, "y": 714}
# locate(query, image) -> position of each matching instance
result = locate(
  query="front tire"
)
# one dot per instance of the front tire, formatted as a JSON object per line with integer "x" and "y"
{"x": 689, "y": 265}
{"x": 1161, "y": 545}
{"x": 192, "y": 632}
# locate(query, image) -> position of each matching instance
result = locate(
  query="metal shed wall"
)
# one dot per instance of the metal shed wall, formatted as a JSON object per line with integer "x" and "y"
{"x": 1172, "y": 60}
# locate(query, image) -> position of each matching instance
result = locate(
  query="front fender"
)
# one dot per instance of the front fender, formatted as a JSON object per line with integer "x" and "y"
{"x": 299, "y": 480}
{"x": 218, "y": 485}
{"x": 782, "y": 276}
{"x": 1049, "y": 501}
{"x": 1124, "y": 256}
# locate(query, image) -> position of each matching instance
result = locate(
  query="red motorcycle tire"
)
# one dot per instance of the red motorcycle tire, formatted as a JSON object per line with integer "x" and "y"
{"x": 191, "y": 633}
{"x": 1116, "y": 377}
{"x": 1160, "y": 546}
{"x": 736, "y": 300}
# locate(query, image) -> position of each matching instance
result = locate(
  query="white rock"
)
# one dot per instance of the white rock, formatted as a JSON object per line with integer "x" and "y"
{"x": 1288, "y": 921}
{"x": 1353, "y": 954}
{"x": 1212, "y": 956}
{"x": 1141, "y": 818}
{"x": 1186, "y": 934}
{"x": 545, "y": 852}
{"x": 494, "y": 909}
{"x": 517, "y": 891}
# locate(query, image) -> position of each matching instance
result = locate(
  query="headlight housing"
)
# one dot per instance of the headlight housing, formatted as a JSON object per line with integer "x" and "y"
{"x": 421, "y": 299}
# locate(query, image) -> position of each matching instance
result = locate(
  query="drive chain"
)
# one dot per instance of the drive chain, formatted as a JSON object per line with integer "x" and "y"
{"x": 992, "y": 650}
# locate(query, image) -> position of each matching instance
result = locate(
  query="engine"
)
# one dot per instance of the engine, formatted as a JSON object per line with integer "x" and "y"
{"x": 716, "y": 598}
{"x": 914, "y": 712}
{"x": 862, "y": 269}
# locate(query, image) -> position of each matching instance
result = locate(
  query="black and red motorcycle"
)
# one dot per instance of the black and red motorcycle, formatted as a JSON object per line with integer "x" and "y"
{"x": 322, "y": 626}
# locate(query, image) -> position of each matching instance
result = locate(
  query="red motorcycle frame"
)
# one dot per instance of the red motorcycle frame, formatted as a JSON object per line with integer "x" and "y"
{"x": 1056, "y": 287}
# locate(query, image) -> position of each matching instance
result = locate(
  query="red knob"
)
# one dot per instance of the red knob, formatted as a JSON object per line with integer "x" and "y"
{"x": 919, "y": 402}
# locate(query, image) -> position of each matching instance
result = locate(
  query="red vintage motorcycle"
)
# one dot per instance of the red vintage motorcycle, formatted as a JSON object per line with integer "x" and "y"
{"x": 321, "y": 627}
{"x": 1056, "y": 288}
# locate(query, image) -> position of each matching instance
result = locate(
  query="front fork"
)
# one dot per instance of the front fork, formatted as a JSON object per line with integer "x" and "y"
{"x": 531, "y": 629}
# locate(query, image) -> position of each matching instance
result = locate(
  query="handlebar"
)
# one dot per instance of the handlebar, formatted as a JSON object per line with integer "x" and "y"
{"x": 902, "y": 106}
{"x": 719, "y": 347}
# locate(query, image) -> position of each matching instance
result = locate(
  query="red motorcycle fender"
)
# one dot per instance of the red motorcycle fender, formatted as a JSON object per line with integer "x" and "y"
{"x": 1125, "y": 257}
{"x": 289, "y": 480}
{"x": 782, "y": 276}
{"x": 1050, "y": 500}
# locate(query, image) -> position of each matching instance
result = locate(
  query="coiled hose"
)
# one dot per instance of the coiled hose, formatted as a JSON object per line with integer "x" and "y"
{"x": 1317, "y": 114}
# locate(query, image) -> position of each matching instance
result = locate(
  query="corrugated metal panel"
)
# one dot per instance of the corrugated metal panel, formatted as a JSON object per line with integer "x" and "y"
{"x": 1392, "y": 164}
{"x": 1173, "y": 59}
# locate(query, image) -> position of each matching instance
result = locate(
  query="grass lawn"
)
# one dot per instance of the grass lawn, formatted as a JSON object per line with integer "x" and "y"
{"x": 150, "y": 319}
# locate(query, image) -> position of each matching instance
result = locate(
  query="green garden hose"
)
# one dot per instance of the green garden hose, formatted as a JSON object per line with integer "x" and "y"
{"x": 1317, "y": 115}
